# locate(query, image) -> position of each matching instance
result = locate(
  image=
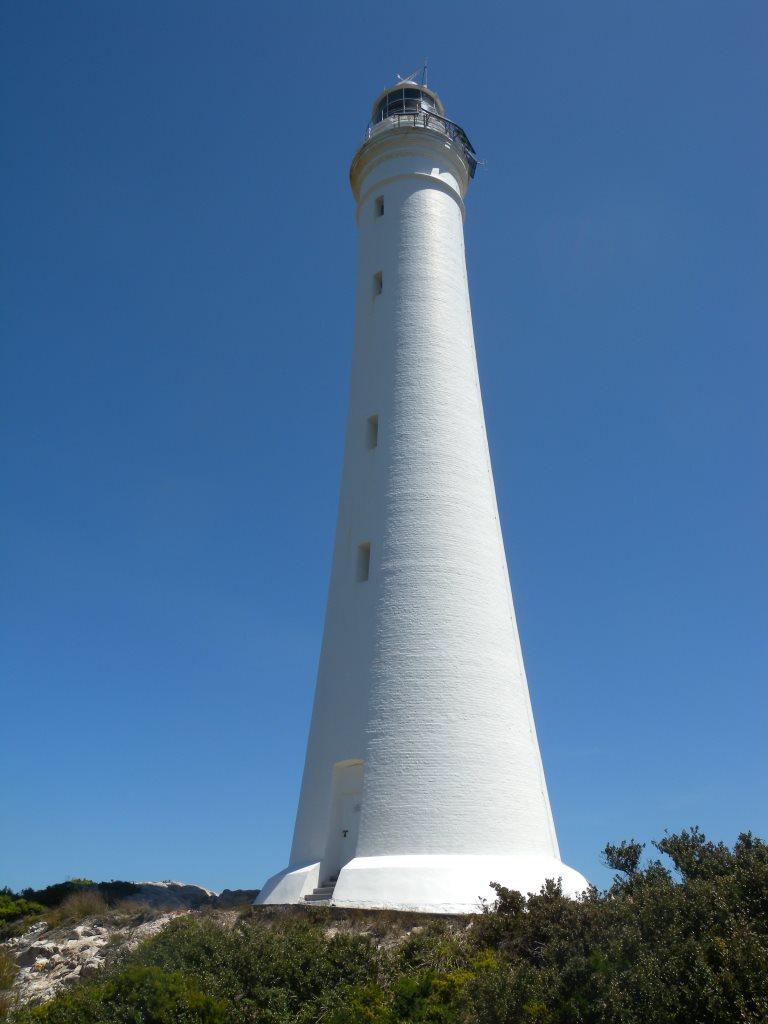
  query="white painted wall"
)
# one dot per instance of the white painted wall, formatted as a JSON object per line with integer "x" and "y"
{"x": 421, "y": 674}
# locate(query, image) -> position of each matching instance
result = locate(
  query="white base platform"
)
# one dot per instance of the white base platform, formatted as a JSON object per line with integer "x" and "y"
{"x": 437, "y": 884}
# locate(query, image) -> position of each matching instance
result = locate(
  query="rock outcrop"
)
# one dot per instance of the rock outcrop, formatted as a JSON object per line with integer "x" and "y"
{"x": 51, "y": 959}
{"x": 176, "y": 895}
{"x": 235, "y": 898}
{"x": 173, "y": 895}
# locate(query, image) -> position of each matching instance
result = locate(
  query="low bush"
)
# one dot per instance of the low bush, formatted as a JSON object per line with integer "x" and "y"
{"x": 144, "y": 995}
{"x": 13, "y": 907}
{"x": 289, "y": 971}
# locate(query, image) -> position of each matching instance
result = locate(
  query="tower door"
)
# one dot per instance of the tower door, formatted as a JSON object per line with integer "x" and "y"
{"x": 349, "y": 824}
{"x": 344, "y": 819}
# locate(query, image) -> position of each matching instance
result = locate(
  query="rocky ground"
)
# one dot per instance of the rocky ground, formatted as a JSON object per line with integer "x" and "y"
{"x": 52, "y": 957}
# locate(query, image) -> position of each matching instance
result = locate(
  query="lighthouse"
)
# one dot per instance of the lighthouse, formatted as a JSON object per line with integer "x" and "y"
{"x": 423, "y": 781}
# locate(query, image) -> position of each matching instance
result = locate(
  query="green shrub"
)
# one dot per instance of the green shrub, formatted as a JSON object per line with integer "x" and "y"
{"x": 289, "y": 971}
{"x": 14, "y": 907}
{"x": 438, "y": 998}
{"x": 650, "y": 949}
{"x": 363, "y": 1004}
{"x": 145, "y": 995}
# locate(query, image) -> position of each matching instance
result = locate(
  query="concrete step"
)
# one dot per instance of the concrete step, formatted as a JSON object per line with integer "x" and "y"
{"x": 322, "y": 894}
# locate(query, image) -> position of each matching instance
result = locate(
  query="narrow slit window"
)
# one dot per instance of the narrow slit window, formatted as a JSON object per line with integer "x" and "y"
{"x": 363, "y": 561}
{"x": 372, "y": 431}
{"x": 378, "y": 284}
{"x": 380, "y": 206}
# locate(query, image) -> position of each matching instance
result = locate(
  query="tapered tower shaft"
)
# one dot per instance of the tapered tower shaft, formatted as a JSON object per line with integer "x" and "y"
{"x": 423, "y": 780}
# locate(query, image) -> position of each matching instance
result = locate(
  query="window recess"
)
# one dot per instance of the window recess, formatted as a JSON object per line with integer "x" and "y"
{"x": 363, "y": 561}
{"x": 372, "y": 431}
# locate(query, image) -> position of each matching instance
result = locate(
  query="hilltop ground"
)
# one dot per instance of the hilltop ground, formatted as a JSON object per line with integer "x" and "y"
{"x": 684, "y": 941}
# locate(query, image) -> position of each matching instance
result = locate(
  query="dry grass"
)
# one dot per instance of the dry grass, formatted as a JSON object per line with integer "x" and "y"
{"x": 132, "y": 912}
{"x": 7, "y": 974}
{"x": 76, "y": 906}
{"x": 388, "y": 928}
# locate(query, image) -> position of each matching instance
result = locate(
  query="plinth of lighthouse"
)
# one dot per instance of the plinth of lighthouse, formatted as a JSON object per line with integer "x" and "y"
{"x": 423, "y": 781}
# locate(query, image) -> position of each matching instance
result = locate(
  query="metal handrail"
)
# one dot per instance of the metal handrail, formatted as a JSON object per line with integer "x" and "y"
{"x": 428, "y": 119}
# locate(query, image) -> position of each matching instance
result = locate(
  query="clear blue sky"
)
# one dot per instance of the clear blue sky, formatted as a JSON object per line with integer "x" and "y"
{"x": 178, "y": 274}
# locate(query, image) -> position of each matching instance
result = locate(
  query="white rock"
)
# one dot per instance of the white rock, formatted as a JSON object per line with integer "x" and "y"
{"x": 91, "y": 967}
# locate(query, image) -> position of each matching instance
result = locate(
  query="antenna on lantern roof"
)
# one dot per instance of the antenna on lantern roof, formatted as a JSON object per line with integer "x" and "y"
{"x": 415, "y": 75}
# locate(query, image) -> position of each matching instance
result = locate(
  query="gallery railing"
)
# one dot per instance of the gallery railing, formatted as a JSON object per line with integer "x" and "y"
{"x": 428, "y": 119}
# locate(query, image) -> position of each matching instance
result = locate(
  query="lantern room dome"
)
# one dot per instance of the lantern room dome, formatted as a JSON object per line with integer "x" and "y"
{"x": 406, "y": 97}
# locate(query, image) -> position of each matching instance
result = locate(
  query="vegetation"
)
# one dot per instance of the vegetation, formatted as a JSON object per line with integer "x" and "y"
{"x": 135, "y": 994}
{"x": 7, "y": 974}
{"x": 13, "y": 907}
{"x": 679, "y": 940}
{"x": 76, "y": 906}
{"x": 54, "y": 895}
{"x": 61, "y": 903}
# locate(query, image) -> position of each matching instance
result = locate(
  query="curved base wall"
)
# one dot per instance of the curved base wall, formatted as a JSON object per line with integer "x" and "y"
{"x": 436, "y": 884}
{"x": 290, "y": 885}
{"x": 446, "y": 883}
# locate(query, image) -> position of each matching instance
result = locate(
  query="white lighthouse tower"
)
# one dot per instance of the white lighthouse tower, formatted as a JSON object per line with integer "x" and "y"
{"x": 423, "y": 781}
